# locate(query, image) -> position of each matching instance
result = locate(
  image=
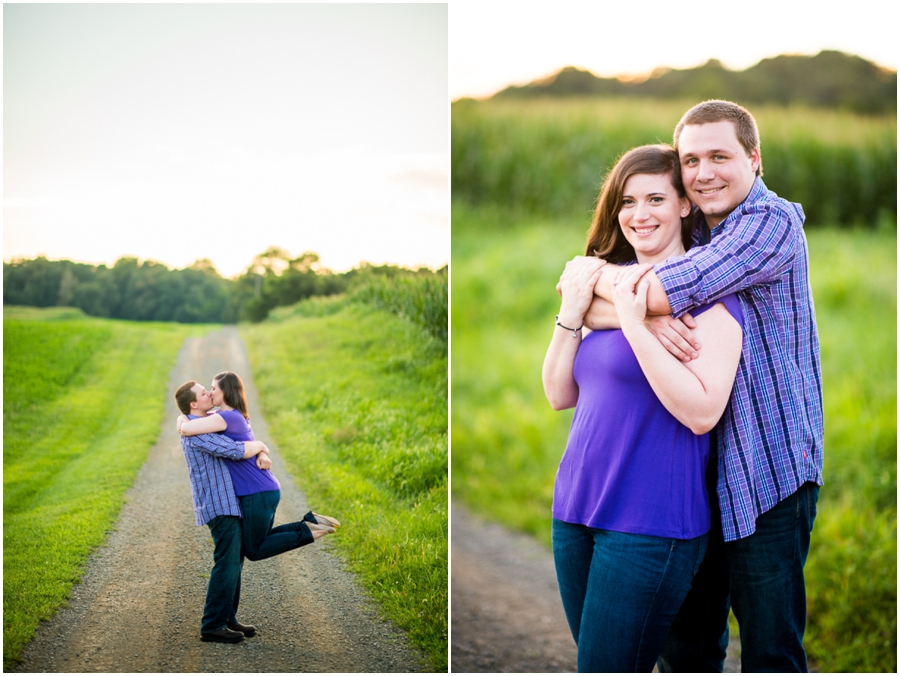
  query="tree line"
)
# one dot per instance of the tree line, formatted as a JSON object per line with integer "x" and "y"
{"x": 830, "y": 79}
{"x": 150, "y": 291}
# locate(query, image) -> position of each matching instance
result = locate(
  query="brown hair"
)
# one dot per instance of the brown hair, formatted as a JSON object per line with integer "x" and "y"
{"x": 233, "y": 391}
{"x": 715, "y": 111}
{"x": 605, "y": 238}
{"x": 185, "y": 396}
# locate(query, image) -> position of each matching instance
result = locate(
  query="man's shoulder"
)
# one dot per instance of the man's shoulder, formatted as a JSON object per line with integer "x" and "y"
{"x": 761, "y": 200}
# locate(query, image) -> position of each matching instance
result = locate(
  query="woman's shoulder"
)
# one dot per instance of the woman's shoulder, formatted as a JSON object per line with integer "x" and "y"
{"x": 730, "y": 303}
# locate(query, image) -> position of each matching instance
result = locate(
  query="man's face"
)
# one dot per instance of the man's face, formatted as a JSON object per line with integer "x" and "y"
{"x": 716, "y": 169}
{"x": 203, "y": 401}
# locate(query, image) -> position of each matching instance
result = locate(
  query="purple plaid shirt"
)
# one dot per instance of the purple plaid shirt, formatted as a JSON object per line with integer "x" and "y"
{"x": 770, "y": 437}
{"x": 211, "y": 486}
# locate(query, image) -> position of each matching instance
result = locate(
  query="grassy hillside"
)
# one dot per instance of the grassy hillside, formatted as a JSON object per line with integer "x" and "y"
{"x": 356, "y": 399}
{"x": 507, "y": 441}
{"x": 70, "y": 449}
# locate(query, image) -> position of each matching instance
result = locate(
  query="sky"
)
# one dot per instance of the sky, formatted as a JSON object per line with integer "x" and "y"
{"x": 494, "y": 45}
{"x": 178, "y": 132}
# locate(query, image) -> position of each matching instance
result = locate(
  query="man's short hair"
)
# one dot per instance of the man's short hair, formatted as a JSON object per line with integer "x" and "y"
{"x": 717, "y": 110}
{"x": 185, "y": 396}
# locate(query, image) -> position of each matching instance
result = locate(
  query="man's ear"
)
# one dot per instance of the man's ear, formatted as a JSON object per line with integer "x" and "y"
{"x": 755, "y": 159}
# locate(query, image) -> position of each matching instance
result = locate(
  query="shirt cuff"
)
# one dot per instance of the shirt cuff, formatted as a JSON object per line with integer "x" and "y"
{"x": 682, "y": 280}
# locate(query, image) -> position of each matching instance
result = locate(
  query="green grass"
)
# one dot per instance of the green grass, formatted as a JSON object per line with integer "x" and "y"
{"x": 507, "y": 441}
{"x": 356, "y": 400}
{"x": 72, "y": 445}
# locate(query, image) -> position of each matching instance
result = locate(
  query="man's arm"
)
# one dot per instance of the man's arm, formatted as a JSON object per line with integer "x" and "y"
{"x": 657, "y": 301}
{"x": 754, "y": 249}
{"x": 223, "y": 447}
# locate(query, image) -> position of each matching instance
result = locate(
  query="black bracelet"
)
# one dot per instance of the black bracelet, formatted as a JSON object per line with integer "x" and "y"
{"x": 574, "y": 331}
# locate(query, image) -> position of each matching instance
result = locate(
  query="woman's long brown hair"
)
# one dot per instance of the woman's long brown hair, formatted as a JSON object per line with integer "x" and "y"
{"x": 233, "y": 391}
{"x": 605, "y": 238}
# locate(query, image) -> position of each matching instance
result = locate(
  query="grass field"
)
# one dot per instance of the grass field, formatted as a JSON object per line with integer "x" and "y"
{"x": 507, "y": 441}
{"x": 365, "y": 434}
{"x": 72, "y": 445}
{"x": 356, "y": 400}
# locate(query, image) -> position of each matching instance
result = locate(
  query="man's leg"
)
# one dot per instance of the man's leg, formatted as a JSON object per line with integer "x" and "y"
{"x": 223, "y": 593}
{"x": 768, "y": 591}
{"x": 698, "y": 638}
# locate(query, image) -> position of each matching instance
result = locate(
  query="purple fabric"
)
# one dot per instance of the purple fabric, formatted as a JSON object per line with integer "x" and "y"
{"x": 629, "y": 465}
{"x": 245, "y": 475}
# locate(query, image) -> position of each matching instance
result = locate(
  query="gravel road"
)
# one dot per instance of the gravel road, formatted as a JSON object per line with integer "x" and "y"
{"x": 506, "y": 615}
{"x": 139, "y": 604}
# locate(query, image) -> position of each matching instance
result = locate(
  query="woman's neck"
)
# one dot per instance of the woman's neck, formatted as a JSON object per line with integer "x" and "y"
{"x": 652, "y": 259}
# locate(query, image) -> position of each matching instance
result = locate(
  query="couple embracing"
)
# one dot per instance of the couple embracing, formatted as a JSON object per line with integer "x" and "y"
{"x": 236, "y": 495}
{"x": 686, "y": 341}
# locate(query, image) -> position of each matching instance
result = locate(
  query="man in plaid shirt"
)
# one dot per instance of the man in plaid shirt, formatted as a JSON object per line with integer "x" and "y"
{"x": 770, "y": 438}
{"x": 215, "y": 505}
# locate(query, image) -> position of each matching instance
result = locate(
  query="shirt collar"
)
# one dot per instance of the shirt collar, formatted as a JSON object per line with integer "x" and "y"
{"x": 757, "y": 192}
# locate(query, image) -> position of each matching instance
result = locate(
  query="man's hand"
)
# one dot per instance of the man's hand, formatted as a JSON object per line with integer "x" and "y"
{"x": 178, "y": 423}
{"x": 263, "y": 461}
{"x": 675, "y": 335}
{"x": 252, "y": 448}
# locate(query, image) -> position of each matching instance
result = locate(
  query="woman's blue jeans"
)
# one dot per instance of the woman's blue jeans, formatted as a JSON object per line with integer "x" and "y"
{"x": 620, "y": 592}
{"x": 261, "y": 541}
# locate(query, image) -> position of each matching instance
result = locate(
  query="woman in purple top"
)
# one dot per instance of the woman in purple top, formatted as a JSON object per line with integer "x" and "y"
{"x": 630, "y": 508}
{"x": 255, "y": 486}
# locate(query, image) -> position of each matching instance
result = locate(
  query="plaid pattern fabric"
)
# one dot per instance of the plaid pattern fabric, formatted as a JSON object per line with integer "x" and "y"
{"x": 211, "y": 486}
{"x": 771, "y": 434}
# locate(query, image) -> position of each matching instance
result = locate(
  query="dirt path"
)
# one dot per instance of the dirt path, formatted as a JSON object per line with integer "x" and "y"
{"x": 505, "y": 611}
{"x": 139, "y": 605}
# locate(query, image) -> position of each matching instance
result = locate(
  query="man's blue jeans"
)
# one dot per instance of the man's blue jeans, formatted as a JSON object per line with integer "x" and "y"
{"x": 224, "y": 590}
{"x": 620, "y": 592}
{"x": 761, "y": 578}
{"x": 261, "y": 540}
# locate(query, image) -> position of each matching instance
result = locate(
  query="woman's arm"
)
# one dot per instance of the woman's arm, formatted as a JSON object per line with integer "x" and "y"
{"x": 208, "y": 425}
{"x": 695, "y": 392}
{"x": 576, "y": 286}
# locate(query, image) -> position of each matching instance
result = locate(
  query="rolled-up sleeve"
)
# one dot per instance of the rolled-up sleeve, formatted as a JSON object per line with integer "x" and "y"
{"x": 755, "y": 246}
{"x": 218, "y": 445}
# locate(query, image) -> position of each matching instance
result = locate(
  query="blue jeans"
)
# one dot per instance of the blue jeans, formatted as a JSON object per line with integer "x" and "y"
{"x": 761, "y": 578}
{"x": 620, "y": 592}
{"x": 261, "y": 540}
{"x": 224, "y": 590}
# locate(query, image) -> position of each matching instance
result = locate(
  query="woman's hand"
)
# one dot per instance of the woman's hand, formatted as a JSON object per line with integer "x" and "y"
{"x": 263, "y": 461}
{"x": 630, "y": 294}
{"x": 181, "y": 420}
{"x": 576, "y": 286}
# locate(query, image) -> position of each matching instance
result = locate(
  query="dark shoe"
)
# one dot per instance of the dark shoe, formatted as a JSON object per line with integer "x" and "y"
{"x": 222, "y": 636}
{"x": 312, "y": 517}
{"x": 247, "y": 630}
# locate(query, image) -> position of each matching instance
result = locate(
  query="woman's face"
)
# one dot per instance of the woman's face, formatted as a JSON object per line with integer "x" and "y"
{"x": 218, "y": 398}
{"x": 650, "y": 217}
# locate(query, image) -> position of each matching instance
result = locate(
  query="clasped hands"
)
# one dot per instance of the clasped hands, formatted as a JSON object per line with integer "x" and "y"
{"x": 577, "y": 286}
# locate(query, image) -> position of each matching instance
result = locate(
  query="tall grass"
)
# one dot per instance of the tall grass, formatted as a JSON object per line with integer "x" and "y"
{"x": 420, "y": 297}
{"x": 507, "y": 441}
{"x": 356, "y": 399}
{"x": 548, "y": 156}
{"x": 70, "y": 448}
